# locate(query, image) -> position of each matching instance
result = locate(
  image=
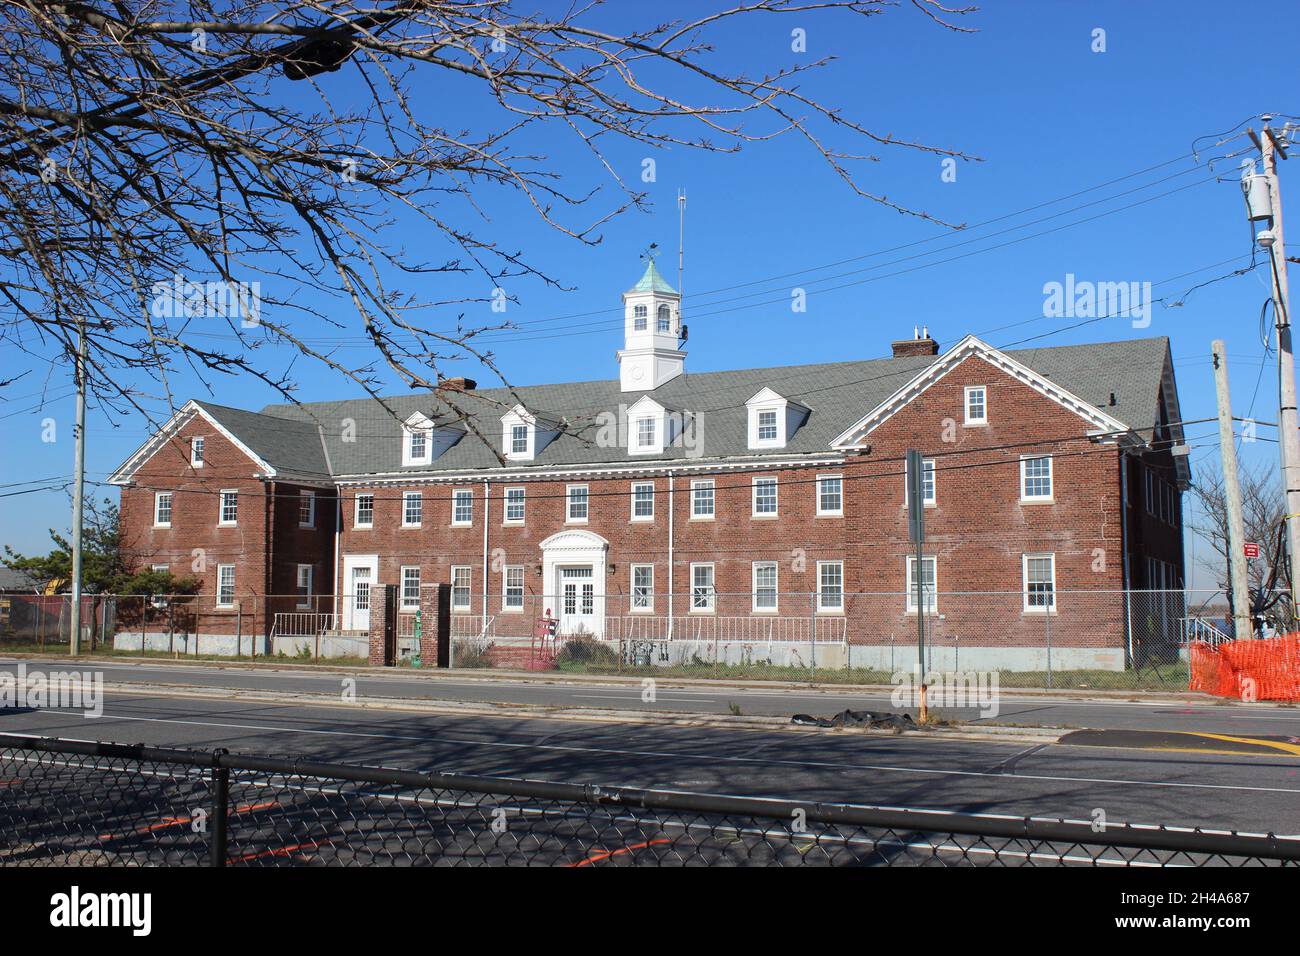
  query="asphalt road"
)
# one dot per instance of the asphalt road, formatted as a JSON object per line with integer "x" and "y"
{"x": 1253, "y": 793}
{"x": 1191, "y": 713}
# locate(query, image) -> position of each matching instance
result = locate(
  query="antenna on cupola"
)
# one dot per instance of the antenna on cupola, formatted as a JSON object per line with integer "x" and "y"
{"x": 681, "y": 258}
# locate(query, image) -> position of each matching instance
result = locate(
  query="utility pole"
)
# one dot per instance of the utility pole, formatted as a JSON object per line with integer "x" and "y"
{"x": 1239, "y": 583}
{"x": 1288, "y": 425}
{"x": 78, "y": 492}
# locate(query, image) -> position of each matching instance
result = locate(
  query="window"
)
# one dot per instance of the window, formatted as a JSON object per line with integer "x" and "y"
{"x": 513, "y": 584}
{"x": 412, "y": 509}
{"x": 460, "y": 584}
{"x": 927, "y": 484}
{"x": 643, "y": 501}
{"x": 514, "y": 506}
{"x": 519, "y": 439}
{"x": 1040, "y": 582}
{"x": 928, "y": 582}
{"x": 304, "y": 585}
{"x": 977, "y": 409}
{"x": 830, "y": 585}
{"x": 1036, "y": 479}
{"x": 419, "y": 446}
{"x": 665, "y": 319}
{"x": 639, "y": 316}
{"x": 159, "y": 600}
{"x": 702, "y": 498}
{"x": 306, "y": 509}
{"x": 645, "y": 432}
{"x": 225, "y": 585}
{"x": 764, "y": 574}
{"x": 576, "y": 500}
{"x": 410, "y": 589}
{"x": 162, "y": 509}
{"x": 830, "y": 495}
{"x": 196, "y": 452}
{"x": 767, "y": 426}
{"x": 764, "y": 497}
{"x": 702, "y": 593}
{"x": 229, "y": 513}
{"x": 365, "y": 511}
{"x": 462, "y": 506}
{"x": 643, "y": 587}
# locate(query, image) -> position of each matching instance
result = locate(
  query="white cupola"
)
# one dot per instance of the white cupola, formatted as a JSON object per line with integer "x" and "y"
{"x": 652, "y": 326}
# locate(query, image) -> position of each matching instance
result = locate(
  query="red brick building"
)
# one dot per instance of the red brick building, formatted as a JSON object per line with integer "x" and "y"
{"x": 761, "y": 508}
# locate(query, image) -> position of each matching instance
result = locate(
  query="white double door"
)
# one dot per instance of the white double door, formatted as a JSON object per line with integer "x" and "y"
{"x": 580, "y": 611}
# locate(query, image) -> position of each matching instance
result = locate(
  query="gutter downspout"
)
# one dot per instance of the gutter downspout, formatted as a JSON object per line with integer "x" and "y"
{"x": 487, "y": 507}
{"x": 334, "y": 571}
{"x": 671, "y": 511}
{"x": 1123, "y": 541}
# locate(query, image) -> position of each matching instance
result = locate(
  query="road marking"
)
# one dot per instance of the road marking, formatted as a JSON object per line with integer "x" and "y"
{"x": 633, "y": 698}
{"x": 723, "y": 758}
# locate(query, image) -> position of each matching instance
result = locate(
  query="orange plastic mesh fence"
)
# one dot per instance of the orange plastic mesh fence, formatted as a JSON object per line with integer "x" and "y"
{"x": 1266, "y": 669}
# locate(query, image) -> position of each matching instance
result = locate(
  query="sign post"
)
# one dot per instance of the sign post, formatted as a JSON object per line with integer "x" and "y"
{"x": 916, "y": 534}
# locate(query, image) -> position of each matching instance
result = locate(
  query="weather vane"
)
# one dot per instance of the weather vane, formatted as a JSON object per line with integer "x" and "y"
{"x": 651, "y": 251}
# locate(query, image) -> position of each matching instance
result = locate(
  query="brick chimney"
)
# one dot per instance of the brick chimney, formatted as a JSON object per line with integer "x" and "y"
{"x": 457, "y": 384}
{"x": 919, "y": 344}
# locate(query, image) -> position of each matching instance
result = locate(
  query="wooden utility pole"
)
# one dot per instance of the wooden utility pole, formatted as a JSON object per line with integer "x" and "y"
{"x": 1288, "y": 425}
{"x": 1239, "y": 583}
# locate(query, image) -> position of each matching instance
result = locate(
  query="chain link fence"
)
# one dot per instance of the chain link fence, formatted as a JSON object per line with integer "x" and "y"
{"x": 69, "y": 803}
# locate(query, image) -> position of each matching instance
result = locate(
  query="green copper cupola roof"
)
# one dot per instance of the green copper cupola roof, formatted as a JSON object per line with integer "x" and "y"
{"x": 652, "y": 281}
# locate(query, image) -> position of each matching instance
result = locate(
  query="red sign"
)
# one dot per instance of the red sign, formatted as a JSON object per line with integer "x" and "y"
{"x": 1250, "y": 549}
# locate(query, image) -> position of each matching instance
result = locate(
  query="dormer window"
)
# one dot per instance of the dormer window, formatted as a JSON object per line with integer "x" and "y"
{"x": 640, "y": 314}
{"x": 645, "y": 432}
{"x": 518, "y": 439}
{"x": 773, "y": 419}
{"x": 649, "y": 427}
{"x": 521, "y": 438}
{"x": 665, "y": 319}
{"x": 416, "y": 440}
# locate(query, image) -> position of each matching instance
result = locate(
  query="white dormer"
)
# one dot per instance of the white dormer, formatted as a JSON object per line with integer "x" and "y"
{"x": 524, "y": 435}
{"x": 652, "y": 327}
{"x": 773, "y": 419}
{"x": 423, "y": 440}
{"x": 649, "y": 427}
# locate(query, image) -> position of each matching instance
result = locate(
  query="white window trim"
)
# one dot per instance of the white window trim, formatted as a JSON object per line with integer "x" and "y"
{"x": 233, "y": 593}
{"x": 753, "y": 587}
{"x": 197, "y": 440}
{"x": 821, "y": 608}
{"x": 356, "y": 512}
{"x": 966, "y": 419}
{"x": 455, "y": 494}
{"x": 304, "y": 600}
{"x": 568, "y": 505}
{"x": 1051, "y": 480}
{"x": 767, "y": 400}
{"x": 403, "y": 604}
{"x": 505, "y": 588}
{"x": 632, "y": 608}
{"x": 837, "y": 513}
{"x": 221, "y": 508}
{"x": 753, "y": 498}
{"x": 469, "y": 589}
{"x": 632, "y": 515}
{"x": 656, "y": 443}
{"x": 910, "y": 605}
{"x": 171, "y": 508}
{"x": 714, "y": 487}
{"x": 927, "y": 464}
{"x": 505, "y": 505}
{"x": 1024, "y": 581}
{"x": 690, "y": 594}
{"x": 311, "y": 508}
{"x": 412, "y": 494}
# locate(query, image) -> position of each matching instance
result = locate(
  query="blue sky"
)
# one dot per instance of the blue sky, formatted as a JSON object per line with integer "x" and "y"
{"x": 1047, "y": 116}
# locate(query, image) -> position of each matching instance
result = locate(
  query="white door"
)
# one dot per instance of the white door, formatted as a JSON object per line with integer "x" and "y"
{"x": 359, "y": 578}
{"x": 578, "y": 601}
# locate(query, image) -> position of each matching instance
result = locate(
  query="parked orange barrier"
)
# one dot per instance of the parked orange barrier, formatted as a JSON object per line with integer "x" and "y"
{"x": 1267, "y": 669}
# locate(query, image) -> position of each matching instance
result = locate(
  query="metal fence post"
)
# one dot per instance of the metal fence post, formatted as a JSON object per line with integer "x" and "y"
{"x": 218, "y": 835}
{"x": 1047, "y": 625}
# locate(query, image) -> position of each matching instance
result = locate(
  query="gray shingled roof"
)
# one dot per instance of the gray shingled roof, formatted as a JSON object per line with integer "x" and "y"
{"x": 838, "y": 394}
